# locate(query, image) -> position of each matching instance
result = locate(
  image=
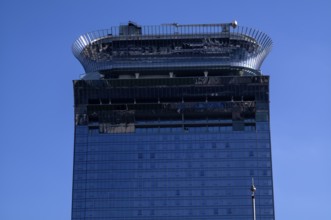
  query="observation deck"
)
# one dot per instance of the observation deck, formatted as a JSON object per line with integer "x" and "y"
{"x": 172, "y": 47}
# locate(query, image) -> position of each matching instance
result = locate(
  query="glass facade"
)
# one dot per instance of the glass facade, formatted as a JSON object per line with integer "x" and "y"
{"x": 171, "y": 143}
{"x": 190, "y": 154}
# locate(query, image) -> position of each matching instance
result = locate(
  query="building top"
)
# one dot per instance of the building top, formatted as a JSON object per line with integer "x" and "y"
{"x": 172, "y": 47}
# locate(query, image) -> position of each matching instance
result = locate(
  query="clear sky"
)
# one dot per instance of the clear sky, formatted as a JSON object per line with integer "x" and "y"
{"x": 37, "y": 69}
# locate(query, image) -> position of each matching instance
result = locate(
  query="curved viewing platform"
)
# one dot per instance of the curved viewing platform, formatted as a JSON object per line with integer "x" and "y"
{"x": 171, "y": 47}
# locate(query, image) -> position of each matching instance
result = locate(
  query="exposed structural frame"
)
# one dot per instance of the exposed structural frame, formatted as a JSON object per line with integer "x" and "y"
{"x": 174, "y": 45}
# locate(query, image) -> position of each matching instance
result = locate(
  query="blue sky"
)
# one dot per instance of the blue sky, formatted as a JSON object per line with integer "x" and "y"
{"x": 37, "y": 69}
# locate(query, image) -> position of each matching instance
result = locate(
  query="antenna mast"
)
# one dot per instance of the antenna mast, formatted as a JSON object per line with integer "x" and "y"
{"x": 253, "y": 189}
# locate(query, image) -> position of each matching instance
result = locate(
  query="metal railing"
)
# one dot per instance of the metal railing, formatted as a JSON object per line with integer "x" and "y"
{"x": 228, "y": 46}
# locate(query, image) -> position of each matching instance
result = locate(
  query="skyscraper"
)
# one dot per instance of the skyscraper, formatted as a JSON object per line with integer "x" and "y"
{"x": 172, "y": 122}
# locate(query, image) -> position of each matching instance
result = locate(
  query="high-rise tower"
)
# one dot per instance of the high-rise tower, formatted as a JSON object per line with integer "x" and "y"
{"x": 172, "y": 122}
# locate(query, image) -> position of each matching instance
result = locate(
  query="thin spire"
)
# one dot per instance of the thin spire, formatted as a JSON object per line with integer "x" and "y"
{"x": 253, "y": 189}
